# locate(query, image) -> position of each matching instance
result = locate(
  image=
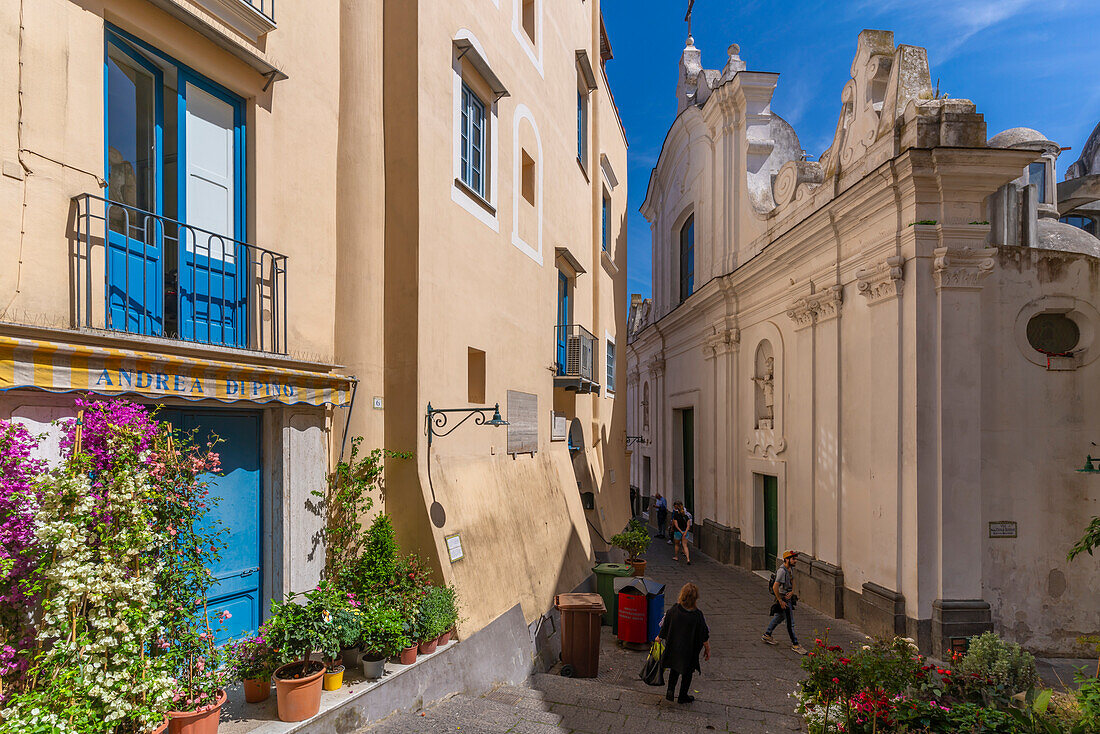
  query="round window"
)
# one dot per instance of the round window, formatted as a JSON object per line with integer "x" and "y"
{"x": 1053, "y": 333}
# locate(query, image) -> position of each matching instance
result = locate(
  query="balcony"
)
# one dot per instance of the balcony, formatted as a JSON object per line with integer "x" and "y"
{"x": 142, "y": 273}
{"x": 265, "y": 8}
{"x": 577, "y": 359}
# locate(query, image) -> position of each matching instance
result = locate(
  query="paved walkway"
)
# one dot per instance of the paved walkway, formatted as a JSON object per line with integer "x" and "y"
{"x": 744, "y": 688}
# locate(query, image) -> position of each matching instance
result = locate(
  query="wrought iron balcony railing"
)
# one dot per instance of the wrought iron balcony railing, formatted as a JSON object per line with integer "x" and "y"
{"x": 143, "y": 273}
{"x": 577, "y": 359}
{"x": 266, "y": 8}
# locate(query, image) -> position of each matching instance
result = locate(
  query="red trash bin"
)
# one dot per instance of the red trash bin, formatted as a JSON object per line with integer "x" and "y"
{"x": 632, "y": 615}
{"x": 580, "y": 633}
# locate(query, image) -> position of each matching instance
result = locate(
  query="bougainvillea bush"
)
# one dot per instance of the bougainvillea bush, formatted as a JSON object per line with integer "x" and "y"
{"x": 109, "y": 563}
{"x": 19, "y": 552}
{"x": 889, "y": 687}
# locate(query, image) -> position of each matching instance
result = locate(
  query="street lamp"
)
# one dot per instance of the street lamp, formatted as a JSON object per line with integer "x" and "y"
{"x": 438, "y": 418}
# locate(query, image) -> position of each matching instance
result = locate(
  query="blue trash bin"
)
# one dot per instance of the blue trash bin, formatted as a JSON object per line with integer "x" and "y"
{"x": 655, "y": 612}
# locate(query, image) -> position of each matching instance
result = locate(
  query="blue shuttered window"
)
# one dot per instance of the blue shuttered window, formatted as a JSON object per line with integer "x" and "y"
{"x": 605, "y": 234}
{"x": 473, "y": 141}
{"x": 582, "y": 127}
{"x": 687, "y": 258}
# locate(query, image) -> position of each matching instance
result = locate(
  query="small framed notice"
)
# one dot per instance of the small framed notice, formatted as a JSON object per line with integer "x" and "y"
{"x": 1002, "y": 529}
{"x": 454, "y": 547}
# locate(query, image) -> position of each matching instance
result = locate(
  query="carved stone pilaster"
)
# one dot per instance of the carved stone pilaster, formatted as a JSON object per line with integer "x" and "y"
{"x": 656, "y": 366}
{"x": 962, "y": 268}
{"x": 816, "y": 307}
{"x": 883, "y": 281}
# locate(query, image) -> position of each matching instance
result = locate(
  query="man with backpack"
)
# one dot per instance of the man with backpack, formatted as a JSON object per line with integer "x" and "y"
{"x": 782, "y": 588}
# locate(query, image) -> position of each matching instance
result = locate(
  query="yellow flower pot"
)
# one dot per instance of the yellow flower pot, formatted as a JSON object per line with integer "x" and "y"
{"x": 334, "y": 680}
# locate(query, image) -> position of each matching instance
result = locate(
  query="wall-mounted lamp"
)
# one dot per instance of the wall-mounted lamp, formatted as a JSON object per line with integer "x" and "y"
{"x": 1089, "y": 467}
{"x": 438, "y": 418}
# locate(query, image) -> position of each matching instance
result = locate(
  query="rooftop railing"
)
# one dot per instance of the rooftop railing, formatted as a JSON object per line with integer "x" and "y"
{"x": 142, "y": 273}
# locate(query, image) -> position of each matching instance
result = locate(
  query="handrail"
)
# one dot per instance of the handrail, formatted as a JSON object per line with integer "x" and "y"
{"x": 265, "y": 8}
{"x": 240, "y": 286}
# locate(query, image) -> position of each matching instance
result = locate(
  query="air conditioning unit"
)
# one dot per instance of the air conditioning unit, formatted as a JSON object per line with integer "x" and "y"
{"x": 574, "y": 346}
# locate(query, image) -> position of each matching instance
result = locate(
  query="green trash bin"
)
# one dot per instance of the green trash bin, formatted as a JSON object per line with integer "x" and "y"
{"x": 606, "y": 574}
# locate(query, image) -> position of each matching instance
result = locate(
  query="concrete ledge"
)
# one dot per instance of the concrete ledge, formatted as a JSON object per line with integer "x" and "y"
{"x": 881, "y": 611}
{"x": 499, "y": 653}
{"x": 750, "y": 557}
{"x": 955, "y": 618}
{"x": 820, "y": 584}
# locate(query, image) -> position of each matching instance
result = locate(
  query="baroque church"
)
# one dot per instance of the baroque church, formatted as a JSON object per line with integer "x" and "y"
{"x": 884, "y": 358}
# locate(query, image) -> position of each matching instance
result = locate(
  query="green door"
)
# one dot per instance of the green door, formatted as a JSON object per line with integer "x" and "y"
{"x": 771, "y": 521}
{"x": 689, "y": 459}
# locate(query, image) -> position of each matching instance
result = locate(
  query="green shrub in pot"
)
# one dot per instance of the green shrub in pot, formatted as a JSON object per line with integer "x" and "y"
{"x": 381, "y": 630}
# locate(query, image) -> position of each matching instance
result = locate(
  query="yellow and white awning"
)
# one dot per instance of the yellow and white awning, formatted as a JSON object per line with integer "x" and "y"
{"x": 106, "y": 371}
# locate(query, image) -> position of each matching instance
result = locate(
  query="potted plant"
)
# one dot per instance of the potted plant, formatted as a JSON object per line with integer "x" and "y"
{"x": 344, "y": 630}
{"x": 382, "y": 635}
{"x": 252, "y": 661}
{"x": 431, "y": 620}
{"x": 449, "y": 610}
{"x": 301, "y": 625}
{"x": 634, "y": 540}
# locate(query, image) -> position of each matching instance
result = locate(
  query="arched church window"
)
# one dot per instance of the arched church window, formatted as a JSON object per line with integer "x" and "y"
{"x": 687, "y": 258}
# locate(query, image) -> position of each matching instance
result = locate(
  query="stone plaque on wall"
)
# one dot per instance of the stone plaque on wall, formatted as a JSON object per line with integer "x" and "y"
{"x": 1002, "y": 529}
{"x": 559, "y": 426}
{"x": 523, "y": 422}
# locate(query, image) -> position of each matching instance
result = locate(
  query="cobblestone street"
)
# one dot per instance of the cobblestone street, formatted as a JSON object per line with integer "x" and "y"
{"x": 744, "y": 688}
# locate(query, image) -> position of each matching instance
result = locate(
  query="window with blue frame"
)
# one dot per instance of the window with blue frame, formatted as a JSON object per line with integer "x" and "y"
{"x": 1037, "y": 174}
{"x": 610, "y": 366}
{"x": 687, "y": 258}
{"x": 605, "y": 233}
{"x": 175, "y": 169}
{"x": 472, "y": 142}
{"x": 582, "y": 126}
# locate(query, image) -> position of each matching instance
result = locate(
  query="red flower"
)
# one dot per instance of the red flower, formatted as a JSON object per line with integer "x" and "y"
{"x": 844, "y": 661}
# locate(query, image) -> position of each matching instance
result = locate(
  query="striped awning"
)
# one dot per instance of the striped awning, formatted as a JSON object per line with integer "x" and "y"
{"x": 105, "y": 371}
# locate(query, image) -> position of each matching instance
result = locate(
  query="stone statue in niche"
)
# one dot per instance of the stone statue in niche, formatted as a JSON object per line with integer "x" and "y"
{"x": 765, "y": 394}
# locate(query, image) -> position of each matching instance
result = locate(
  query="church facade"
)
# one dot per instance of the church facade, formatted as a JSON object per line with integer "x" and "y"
{"x": 880, "y": 358}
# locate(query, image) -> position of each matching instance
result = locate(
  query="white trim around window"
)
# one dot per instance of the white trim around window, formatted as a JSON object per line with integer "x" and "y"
{"x": 484, "y": 210}
{"x": 533, "y": 50}
{"x": 533, "y": 251}
{"x": 609, "y": 368}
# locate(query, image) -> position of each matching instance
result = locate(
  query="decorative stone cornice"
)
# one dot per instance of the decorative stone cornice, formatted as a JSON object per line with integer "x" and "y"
{"x": 632, "y": 377}
{"x": 962, "y": 268}
{"x": 656, "y": 366}
{"x": 816, "y": 307}
{"x": 882, "y": 281}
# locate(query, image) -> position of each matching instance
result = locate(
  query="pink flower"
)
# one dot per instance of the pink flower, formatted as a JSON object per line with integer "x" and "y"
{"x": 225, "y": 615}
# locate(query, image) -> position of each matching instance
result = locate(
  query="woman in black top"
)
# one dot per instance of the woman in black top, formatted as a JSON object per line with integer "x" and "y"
{"x": 680, "y": 527}
{"x": 684, "y": 633}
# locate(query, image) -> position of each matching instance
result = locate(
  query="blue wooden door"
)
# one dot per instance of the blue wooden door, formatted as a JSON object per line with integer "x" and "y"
{"x": 563, "y": 319}
{"x": 135, "y": 237}
{"x": 239, "y": 494}
{"x": 213, "y": 265}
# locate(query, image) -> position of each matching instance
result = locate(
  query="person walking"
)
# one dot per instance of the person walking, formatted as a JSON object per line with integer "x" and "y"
{"x": 785, "y": 600}
{"x": 681, "y": 524}
{"x": 684, "y": 633}
{"x": 662, "y": 515}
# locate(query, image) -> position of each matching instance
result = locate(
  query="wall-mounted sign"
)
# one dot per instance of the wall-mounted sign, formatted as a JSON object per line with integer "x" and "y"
{"x": 1002, "y": 529}
{"x": 559, "y": 426}
{"x": 378, "y": 402}
{"x": 454, "y": 547}
{"x": 523, "y": 422}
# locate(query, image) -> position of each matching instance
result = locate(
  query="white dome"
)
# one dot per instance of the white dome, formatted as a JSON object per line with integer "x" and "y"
{"x": 1055, "y": 235}
{"x": 1016, "y": 137}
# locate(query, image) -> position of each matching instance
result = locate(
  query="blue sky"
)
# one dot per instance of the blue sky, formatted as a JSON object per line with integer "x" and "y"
{"x": 1029, "y": 63}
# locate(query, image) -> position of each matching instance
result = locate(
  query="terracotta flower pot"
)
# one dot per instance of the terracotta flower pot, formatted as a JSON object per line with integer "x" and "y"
{"x": 445, "y": 638}
{"x": 160, "y": 728}
{"x": 374, "y": 666}
{"x": 334, "y": 678}
{"x": 299, "y": 698}
{"x": 200, "y": 721}
{"x": 639, "y": 567}
{"x": 408, "y": 655}
{"x": 427, "y": 647}
{"x": 257, "y": 690}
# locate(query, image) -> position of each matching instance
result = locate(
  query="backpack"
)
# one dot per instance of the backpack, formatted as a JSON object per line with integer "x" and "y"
{"x": 771, "y": 586}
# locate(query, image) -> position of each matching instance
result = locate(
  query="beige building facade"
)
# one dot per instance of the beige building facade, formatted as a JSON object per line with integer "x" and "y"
{"x": 293, "y": 226}
{"x": 880, "y": 358}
